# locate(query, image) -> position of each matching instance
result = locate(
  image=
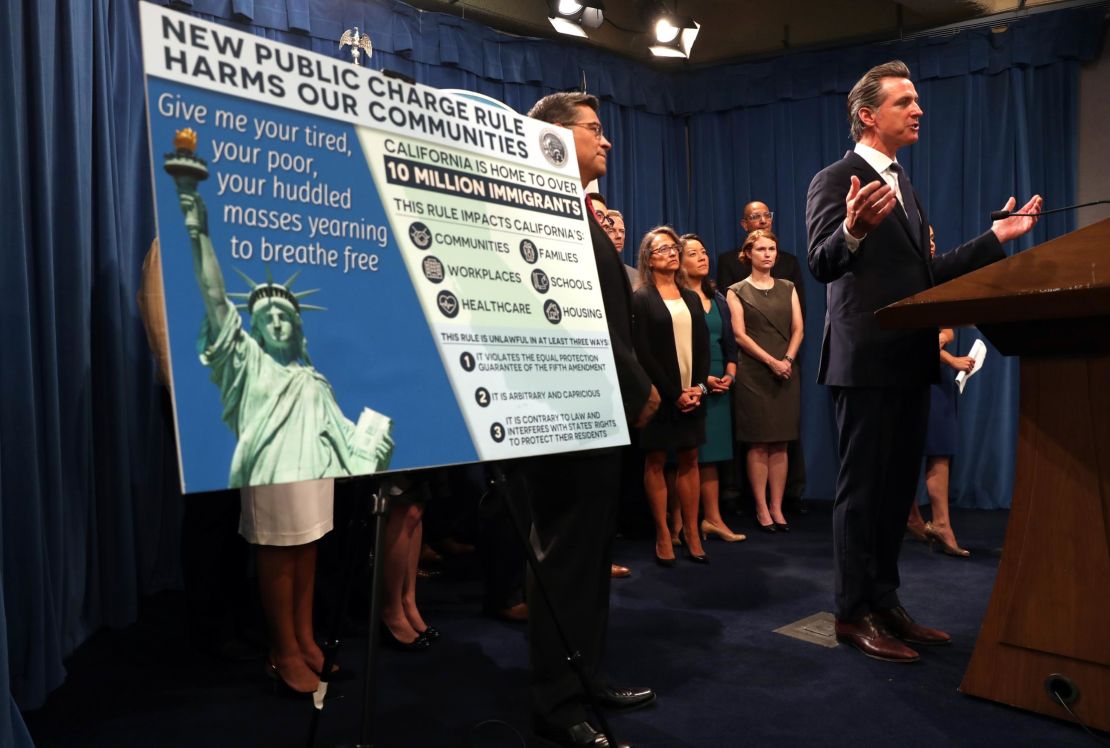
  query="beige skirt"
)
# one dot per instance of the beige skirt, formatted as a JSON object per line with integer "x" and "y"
{"x": 286, "y": 514}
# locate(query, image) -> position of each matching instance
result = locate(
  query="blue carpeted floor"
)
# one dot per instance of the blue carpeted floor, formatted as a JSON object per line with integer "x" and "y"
{"x": 701, "y": 636}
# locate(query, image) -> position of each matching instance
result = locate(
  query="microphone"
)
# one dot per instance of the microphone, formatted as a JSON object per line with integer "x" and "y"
{"x": 998, "y": 215}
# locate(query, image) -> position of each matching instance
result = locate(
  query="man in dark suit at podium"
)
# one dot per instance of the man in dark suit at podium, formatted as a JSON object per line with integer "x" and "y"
{"x": 869, "y": 242}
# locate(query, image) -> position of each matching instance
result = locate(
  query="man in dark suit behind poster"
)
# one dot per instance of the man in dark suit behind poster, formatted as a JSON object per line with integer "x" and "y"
{"x": 869, "y": 242}
{"x": 573, "y": 496}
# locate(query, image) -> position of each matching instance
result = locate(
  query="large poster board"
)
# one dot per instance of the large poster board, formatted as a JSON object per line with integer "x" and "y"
{"x": 362, "y": 274}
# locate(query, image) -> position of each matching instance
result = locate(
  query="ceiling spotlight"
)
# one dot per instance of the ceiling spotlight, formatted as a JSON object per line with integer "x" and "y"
{"x": 674, "y": 35}
{"x": 569, "y": 16}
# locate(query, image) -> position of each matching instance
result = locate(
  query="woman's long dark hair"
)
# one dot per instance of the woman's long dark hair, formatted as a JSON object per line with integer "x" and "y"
{"x": 708, "y": 287}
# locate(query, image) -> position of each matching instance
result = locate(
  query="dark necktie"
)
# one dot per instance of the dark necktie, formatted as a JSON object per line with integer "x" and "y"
{"x": 908, "y": 203}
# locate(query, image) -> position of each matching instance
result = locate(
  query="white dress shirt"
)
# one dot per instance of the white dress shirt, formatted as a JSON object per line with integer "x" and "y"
{"x": 880, "y": 162}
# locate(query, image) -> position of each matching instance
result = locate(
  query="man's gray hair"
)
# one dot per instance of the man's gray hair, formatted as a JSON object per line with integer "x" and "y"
{"x": 561, "y": 108}
{"x": 614, "y": 213}
{"x": 868, "y": 92}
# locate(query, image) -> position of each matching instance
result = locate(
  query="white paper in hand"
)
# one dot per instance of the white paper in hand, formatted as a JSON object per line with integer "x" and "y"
{"x": 979, "y": 353}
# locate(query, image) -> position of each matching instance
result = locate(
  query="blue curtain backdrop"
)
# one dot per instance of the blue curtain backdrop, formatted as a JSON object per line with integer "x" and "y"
{"x": 89, "y": 517}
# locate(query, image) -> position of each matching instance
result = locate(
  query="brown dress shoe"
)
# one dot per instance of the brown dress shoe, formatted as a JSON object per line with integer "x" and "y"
{"x": 616, "y": 571}
{"x": 869, "y": 637}
{"x": 898, "y": 622}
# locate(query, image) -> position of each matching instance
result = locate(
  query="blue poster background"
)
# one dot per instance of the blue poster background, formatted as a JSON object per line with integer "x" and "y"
{"x": 372, "y": 343}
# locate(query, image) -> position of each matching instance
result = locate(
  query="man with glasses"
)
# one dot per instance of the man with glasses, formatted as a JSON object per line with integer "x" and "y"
{"x": 600, "y": 209}
{"x": 617, "y": 234}
{"x": 731, "y": 270}
{"x": 613, "y": 223}
{"x": 573, "y": 496}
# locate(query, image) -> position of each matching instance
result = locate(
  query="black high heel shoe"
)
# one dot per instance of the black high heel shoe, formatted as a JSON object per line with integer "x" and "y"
{"x": 665, "y": 562}
{"x": 937, "y": 542}
{"x": 697, "y": 558}
{"x": 419, "y": 644}
{"x": 431, "y": 634}
{"x": 283, "y": 688}
{"x": 770, "y": 527}
{"x": 781, "y": 527}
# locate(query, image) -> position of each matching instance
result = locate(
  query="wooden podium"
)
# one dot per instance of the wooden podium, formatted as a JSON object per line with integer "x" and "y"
{"x": 1050, "y": 609}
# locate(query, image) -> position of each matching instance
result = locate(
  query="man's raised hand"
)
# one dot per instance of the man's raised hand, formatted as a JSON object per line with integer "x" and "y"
{"x": 867, "y": 206}
{"x": 1014, "y": 226}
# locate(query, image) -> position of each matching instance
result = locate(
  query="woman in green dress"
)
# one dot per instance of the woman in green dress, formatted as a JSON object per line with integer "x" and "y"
{"x": 722, "y": 373}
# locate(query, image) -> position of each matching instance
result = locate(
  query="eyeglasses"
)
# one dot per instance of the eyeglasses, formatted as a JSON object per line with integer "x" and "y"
{"x": 605, "y": 221}
{"x": 666, "y": 249}
{"x": 769, "y": 215}
{"x": 594, "y": 127}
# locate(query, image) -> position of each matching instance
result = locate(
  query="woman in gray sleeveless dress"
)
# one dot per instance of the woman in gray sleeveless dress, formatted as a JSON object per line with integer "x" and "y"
{"x": 767, "y": 322}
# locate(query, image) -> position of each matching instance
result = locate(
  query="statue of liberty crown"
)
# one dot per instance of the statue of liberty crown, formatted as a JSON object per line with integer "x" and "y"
{"x": 271, "y": 290}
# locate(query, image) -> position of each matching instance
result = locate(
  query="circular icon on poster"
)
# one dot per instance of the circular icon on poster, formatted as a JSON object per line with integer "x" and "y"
{"x": 497, "y": 432}
{"x": 540, "y": 281}
{"x": 481, "y": 396}
{"x": 466, "y": 361}
{"x": 529, "y": 252}
{"x": 553, "y": 148}
{"x": 420, "y": 234}
{"x": 552, "y": 311}
{"x": 433, "y": 269}
{"x": 448, "y": 303}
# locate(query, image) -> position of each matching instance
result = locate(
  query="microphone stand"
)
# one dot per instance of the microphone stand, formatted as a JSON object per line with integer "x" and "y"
{"x": 998, "y": 215}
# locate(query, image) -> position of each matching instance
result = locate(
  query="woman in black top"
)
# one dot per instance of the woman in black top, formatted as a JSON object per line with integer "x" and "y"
{"x": 672, "y": 345}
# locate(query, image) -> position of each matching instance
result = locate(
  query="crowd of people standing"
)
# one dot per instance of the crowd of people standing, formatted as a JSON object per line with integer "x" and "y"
{"x": 724, "y": 360}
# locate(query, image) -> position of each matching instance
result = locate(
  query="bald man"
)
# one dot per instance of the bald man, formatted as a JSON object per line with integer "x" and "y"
{"x": 730, "y": 269}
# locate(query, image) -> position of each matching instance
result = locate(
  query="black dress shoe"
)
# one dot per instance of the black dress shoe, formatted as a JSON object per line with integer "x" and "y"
{"x": 624, "y": 698}
{"x": 578, "y": 734}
